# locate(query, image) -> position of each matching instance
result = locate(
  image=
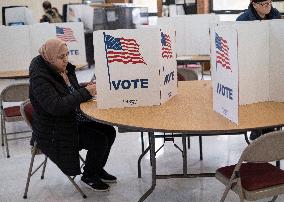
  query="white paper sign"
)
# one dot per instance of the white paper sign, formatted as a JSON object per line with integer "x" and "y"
{"x": 128, "y": 67}
{"x": 73, "y": 35}
{"x": 225, "y": 70}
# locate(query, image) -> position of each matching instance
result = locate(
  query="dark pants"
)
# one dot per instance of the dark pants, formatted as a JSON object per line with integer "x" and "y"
{"x": 97, "y": 138}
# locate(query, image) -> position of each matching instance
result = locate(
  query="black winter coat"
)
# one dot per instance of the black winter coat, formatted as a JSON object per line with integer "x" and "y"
{"x": 54, "y": 122}
{"x": 250, "y": 14}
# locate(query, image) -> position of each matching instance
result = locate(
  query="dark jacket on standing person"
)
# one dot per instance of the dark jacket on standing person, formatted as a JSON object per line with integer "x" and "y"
{"x": 250, "y": 14}
{"x": 54, "y": 121}
{"x": 51, "y": 17}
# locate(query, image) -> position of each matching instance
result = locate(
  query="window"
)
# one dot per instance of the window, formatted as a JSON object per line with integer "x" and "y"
{"x": 151, "y": 4}
{"x": 229, "y": 6}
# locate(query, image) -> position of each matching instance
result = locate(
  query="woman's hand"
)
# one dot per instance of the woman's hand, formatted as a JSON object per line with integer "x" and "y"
{"x": 92, "y": 89}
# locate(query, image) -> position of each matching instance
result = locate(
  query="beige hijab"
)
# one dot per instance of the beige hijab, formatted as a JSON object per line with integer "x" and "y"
{"x": 51, "y": 49}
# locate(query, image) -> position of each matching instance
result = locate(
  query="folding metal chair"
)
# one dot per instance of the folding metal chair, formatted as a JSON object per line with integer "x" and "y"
{"x": 256, "y": 179}
{"x": 26, "y": 110}
{"x": 10, "y": 95}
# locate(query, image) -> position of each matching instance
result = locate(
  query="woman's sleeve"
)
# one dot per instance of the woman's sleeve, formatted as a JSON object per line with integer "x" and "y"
{"x": 54, "y": 103}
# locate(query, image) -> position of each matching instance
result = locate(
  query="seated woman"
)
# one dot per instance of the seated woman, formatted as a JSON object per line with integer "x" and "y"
{"x": 59, "y": 128}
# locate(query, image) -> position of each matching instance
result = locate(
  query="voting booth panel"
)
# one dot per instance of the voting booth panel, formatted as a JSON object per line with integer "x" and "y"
{"x": 39, "y": 34}
{"x": 73, "y": 35}
{"x": 168, "y": 66}
{"x": 128, "y": 67}
{"x": 253, "y": 57}
{"x": 276, "y": 70}
{"x": 224, "y": 54}
{"x": 18, "y": 16}
{"x": 259, "y": 62}
{"x": 197, "y": 36}
{"x": 192, "y": 32}
{"x": 14, "y": 51}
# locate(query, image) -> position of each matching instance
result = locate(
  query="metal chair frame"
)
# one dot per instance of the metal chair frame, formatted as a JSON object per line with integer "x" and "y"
{"x": 36, "y": 151}
{"x": 266, "y": 148}
{"x": 12, "y": 93}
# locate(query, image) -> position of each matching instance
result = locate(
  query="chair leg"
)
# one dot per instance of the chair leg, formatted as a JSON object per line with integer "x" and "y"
{"x": 29, "y": 174}
{"x": 200, "y": 148}
{"x": 43, "y": 169}
{"x": 246, "y": 138}
{"x": 273, "y": 199}
{"x": 76, "y": 186}
{"x": 6, "y": 140}
{"x": 2, "y": 133}
{"x": 225, "y": 193}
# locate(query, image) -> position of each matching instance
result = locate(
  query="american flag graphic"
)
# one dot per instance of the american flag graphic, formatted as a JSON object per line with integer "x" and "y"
{"x": 222, "y": 52}
{"x": 65, "y": 34}
{"x": 122, "y": 50}
{"x": 166, "y": 46}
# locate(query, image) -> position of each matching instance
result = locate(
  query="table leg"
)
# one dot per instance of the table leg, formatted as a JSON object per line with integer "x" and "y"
{"x": 153, "y": 160}
{"x": 139, "y": 160}
{"x": 184, "y": 154}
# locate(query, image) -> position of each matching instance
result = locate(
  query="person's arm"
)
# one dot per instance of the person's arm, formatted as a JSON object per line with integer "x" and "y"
{"x": 52, "y": 102}
{"x": 44, "y": 19}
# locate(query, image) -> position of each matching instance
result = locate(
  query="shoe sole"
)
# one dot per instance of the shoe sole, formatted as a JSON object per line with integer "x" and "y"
{"x": 109, "y": 181}
{"x": 96, "y": 190}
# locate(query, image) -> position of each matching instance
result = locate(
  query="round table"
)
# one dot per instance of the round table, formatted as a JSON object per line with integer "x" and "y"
{"x": 189, "y": 112}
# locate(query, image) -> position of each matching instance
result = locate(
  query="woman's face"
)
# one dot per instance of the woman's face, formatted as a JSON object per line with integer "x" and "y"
{"x": 263, "y": 8}
{"x": 61, "y": 60}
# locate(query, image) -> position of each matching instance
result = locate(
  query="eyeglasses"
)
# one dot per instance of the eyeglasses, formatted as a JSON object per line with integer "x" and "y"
{"x": 265, "y": 4}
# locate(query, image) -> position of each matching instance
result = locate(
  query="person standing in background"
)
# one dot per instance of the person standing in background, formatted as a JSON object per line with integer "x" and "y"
{"x": 49, "y": 14}
{"x": 259, "y": 10}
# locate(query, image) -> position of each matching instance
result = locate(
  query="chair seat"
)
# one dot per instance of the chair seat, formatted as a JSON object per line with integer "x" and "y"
{"x": 12, "y": 111}
{"x": 255, "y": 176}
{"x": 12, "y": 114}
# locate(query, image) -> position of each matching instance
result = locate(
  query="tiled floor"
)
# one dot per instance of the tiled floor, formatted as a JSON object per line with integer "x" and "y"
{"x": 217, "y": 150}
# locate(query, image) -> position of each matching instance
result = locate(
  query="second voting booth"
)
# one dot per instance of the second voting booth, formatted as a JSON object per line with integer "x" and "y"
{"x": 19, "y": 44}
{"x": 246, "y": 71}
{"x": 135, "y": 67}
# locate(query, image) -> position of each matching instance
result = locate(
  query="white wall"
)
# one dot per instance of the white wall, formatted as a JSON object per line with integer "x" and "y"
{"x": 35, "y": 6}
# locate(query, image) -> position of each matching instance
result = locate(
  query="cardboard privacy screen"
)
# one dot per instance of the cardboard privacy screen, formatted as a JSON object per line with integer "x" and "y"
{"x": 192, "y": 32}
{"x": 252, "y": 70}
{"x": 16, "y": 53}
{"x": 135, "y": 67}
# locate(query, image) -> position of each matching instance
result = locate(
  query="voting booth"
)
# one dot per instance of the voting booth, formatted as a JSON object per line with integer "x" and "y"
{"x": 19, "y": 44}
{"x": 135, "y": 67}
{"x": 192, "y": 32}
{"x": 19, "y": 15}
{"x": 246, "y": 71}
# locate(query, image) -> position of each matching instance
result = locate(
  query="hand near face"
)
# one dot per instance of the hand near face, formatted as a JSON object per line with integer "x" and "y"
{"x": 92, "y": 89}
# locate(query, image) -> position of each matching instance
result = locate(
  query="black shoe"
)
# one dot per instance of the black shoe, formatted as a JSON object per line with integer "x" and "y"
{"x": 254, "y": 134}
{"x": 95, "y": 183}
{"x": 105, "y": 177}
